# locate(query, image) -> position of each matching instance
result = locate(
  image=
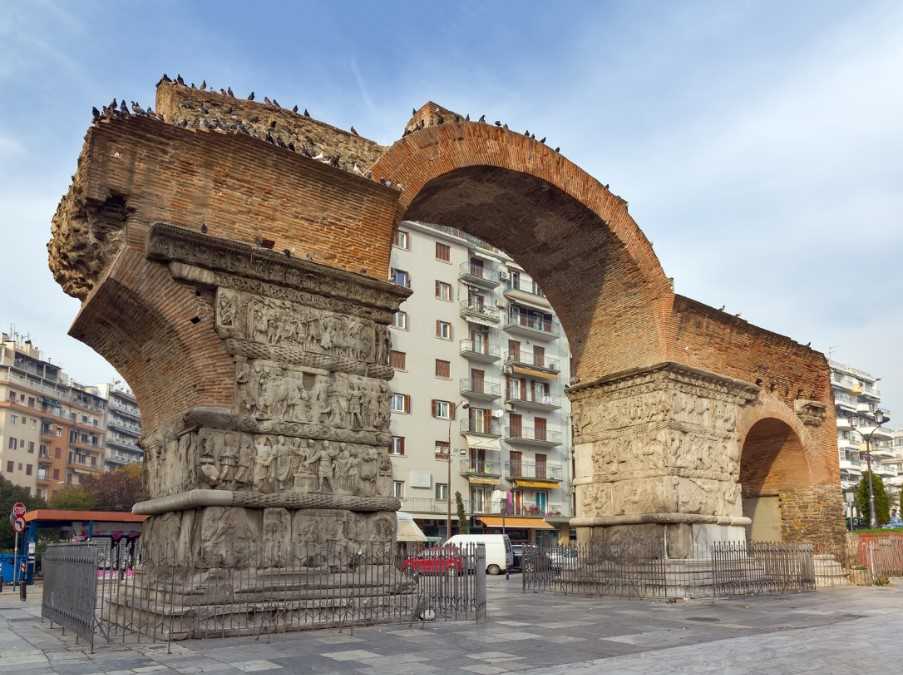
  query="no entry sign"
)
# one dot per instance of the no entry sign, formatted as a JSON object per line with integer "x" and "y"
{"x": 19, "y": 509}
{"x": 19, "y": 524}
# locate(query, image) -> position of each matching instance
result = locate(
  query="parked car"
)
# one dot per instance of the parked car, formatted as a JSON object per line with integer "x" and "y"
{"x": 439, "y": 560}
{"x": 534, "y": 558}
{"x": 498, "y": 549}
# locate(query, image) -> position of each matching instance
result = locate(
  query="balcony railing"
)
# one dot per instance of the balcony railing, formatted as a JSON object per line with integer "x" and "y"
{"x": 475, "y": 467}
{"x": 533, "y": 470}
{"x": 531, "y": 436}
{"x": 530, "y": 509}
{"x": 530, "y": 325}
{"x": 483, "y": 389}
{"x": 539, "y": 403}
{"x": 483, "y": 275}
{"x": 479, "y": 311}
{"x": 433, "y": 505}
{"x": 479, "y": 350}
{"x": 480, "y": 427}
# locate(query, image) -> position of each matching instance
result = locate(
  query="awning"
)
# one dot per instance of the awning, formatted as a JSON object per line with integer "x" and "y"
{"x": 474, "y": 480}
{"x": 408, "y": 530}
{"x": 517, "y": 523}
{"x": 540, "y": 484}
{"x": 482, "y": 443}
{"x": 533, "y": 372}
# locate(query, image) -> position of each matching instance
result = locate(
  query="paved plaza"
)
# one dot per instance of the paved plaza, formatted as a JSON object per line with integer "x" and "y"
{"x": 836, "y": 631}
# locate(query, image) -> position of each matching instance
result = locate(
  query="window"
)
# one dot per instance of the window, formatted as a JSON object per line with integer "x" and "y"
{"x": 443, "y": 410}
{"x": 12, "y": 396}
{"x": 401, "y": 403}
{"x": 56, "y": 474}
{"x": 442, "y": 491}
{"x": 12, "y": 419}
{"x": 515, "y": 279}
{"x": 443, "y": 252}
{"x": 402, "y": 240}
{"x": 539, "y": 356}
{"x": 28, "y": 469}
{"x": 31, "y": 401}
{"x": 397, "y": 447}
{"x": 397, "y": 360}
{"x": 13, "y": 443}
{"x": 93, "y": 460}
{"x": 443, "y": 330}
{"x": 401, "y": 278}
{"x": 443, "y": 368}
{"x": 400, "y": 320}
{"x": 443, "y": 291}
{"x": 10, "y": 467}
{"x": 31, "y": 447}
{"x": 398, "y": 489}
{"x": 442, "y": 449}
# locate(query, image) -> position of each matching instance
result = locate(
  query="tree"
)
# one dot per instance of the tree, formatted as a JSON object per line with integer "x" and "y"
{"x": 9, "y": 495}
{"x": 882, "y": 503}
{"x": 74, "y": 497}
{"x": 117, "y": 490}
{"x": 463, "y": 522}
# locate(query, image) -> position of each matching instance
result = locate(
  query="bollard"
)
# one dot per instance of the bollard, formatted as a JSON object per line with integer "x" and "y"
{"x": 23, "y": 582}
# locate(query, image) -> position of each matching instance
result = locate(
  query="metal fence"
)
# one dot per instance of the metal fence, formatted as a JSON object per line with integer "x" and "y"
{"x": 859, "y": 560}
{"x": 643, "y": 570}
{"x": 113, "y": 593}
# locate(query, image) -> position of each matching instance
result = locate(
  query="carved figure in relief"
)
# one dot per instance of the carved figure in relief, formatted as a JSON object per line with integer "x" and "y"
{"x": 368, "y": 467}
{"x": 297, "y": 402}
{"x": 322, "y": 455}
{"x": 383, "y": 340}
{"x": 246, "y": 451}
{"x": 327, "y": 333}
{"x": 285, "y": 460}
{"x": 260, "y": 323}
{"x": 228, "y": 459}
{"x": 338, "y": 404}
{"x": 226, "y": 309}
{"x": 207, "y": 462}
{"x": 246, "y": 378}
{"x": 305, "y": 477}
{"x": 322, "y": 399}
{"x": 355, "y": 408}
{"x": 262, "y": 402}
{"x": 263, "y": 465}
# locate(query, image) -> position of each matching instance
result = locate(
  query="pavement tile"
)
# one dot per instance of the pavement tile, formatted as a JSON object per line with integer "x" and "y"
{"x": 484, "y": 669}
{"x": 256, "y": 666}
{"x": 351, "y": 655}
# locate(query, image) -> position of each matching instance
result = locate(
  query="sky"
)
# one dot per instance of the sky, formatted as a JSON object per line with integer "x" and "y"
{"x": 759, "y": 144}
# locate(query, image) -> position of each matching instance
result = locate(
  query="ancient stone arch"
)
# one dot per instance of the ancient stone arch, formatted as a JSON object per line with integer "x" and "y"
{"x": 246, "y": 248}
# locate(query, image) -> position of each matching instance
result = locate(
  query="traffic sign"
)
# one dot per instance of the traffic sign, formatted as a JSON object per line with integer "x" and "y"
{"x": 19, "y": 509}
{"x": 19, "y": 524}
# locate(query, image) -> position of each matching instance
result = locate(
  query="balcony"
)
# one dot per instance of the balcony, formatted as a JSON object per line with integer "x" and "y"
{"x": 534, "y": 471}
{"x": 433, "y": 505}
{"x": 531, "y": 327}
{"x": 123, "y": 426}
{"x": 479, "y": 351}
{"x": 544, "y": 403}
{"x": 483, "y": 390}
{"x": 480, "y": 275}
{"x": 478, "y": 427}
{"x": 524, "y": 359}
{"x": 122, "y": 458}
{"x": 479, "y": 312}
{"x": 525, "y": 295}
{"x": 524, "y": 509}
{"x": 129, "y": 447}
{"x": 542, "y": 438}
{"x": 476, "y": 468}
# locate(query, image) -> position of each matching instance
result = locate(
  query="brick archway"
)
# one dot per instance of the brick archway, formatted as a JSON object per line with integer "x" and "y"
{"x": 568, "y": 231}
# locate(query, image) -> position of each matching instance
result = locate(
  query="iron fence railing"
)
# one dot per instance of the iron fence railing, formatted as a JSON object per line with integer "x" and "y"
{"x": 117, "y": 593}
{"x": 642, "y": 569}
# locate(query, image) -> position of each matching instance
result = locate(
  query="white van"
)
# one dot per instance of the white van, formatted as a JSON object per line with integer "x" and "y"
{"x": 499, "y": 556}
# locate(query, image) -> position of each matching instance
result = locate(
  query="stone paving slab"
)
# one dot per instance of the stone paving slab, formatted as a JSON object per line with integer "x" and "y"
{"x": 832, "y": 631}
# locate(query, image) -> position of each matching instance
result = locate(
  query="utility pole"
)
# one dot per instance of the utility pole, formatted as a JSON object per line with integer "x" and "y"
{"x": 880, "y": 419}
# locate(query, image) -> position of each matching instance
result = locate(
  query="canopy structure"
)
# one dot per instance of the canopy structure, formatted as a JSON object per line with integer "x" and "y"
{"x": 534, "y": 372}
{"x": 408, "y": 530}
{"x": 536, "y": 484}
{"x": 516, "y": 523}
{"x": 482, "y": 443}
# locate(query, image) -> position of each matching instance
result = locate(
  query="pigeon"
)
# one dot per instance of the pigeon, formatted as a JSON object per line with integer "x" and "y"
{"x": 192, "y": 86}
{"x": 354, "y": 131}
{"x": 497, "y": 123}
{"x": 266, "y": 99}
{"x": 251, "y": 96}
{"x": 179, "y": 79}
{"x": 306, "y": 114}
{"x": 229, "y": 92}
{"x": 467, "y": 117}
{"x": 505, "y": 127}
{"x": 123, "y": 108}
{"x": 721, "y": 309}
{"x": 136, "y": 109}
{"x": 165, "y": 78}
{"x": 295, "y": 109}
{"x": 276, "y": 103}
{"x": 527, "y": 133}
{"x": 204, "y": 228}
{"x": 413, "y": 111}
{"x": 542, "y": 140}
{"x": 95, "y": 113}
{"x": 482, "y": 118}
{"x": 203, "y": 85}
{"x": 557, "y": 149}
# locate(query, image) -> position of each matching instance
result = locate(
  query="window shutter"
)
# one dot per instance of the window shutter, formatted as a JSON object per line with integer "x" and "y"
{"x": 435, "y": 406}
{"x": 438, "y": 334}
{"x": 407, "y": 403}
{"x": 451, "y": 411}
{"x": 401, "y": 445}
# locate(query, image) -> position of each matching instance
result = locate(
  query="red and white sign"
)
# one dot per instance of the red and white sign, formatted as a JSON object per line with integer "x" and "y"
{"x": 19, "y": 509}
{"x": 19, "y": 524}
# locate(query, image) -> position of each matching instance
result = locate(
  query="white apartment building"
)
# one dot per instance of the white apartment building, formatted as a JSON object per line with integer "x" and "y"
{"x": 123, "y": 425}
{"x": 856, "y": 397}
{"x": 478, "y": 394}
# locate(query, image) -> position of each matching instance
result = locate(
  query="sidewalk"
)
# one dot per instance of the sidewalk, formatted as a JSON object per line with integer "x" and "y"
{"x": 830, "y": 632}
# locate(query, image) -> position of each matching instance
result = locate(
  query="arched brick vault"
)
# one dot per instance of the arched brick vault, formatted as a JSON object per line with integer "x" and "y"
{"x": 565, "y": 228}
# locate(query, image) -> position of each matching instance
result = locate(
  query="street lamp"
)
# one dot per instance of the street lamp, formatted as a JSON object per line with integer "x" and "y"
{"x": 503, "y": 488}
{"x": 880, "y": 419}
{"x": 451, "y": 418}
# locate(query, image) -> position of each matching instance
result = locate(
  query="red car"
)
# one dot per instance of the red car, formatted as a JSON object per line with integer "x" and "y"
{"x": 445, "y": 560}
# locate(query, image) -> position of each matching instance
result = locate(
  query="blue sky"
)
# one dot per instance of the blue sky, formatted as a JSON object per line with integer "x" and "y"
{"x": 760, "y": 145}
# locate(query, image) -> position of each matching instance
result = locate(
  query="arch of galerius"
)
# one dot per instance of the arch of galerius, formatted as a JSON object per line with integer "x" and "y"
{"x": 231, "y": 258}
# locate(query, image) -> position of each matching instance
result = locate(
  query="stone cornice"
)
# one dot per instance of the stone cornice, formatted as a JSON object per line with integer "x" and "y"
{"x": 746, "y": 389}
{"x": 171, "y": 243}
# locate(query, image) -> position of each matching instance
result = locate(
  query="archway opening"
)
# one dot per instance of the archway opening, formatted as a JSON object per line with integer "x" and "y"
{"x": 772, "y": 464}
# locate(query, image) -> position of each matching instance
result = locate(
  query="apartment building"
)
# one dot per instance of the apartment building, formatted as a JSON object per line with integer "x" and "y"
{"x": 123, "y": 425}
{"x": 51, "y": 429}
{"x": 478, "y": 403}
{"x": 857, "y": 396}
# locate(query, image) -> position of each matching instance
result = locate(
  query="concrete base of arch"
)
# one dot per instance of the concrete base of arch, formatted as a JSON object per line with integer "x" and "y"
{"x": 657, "y": 457}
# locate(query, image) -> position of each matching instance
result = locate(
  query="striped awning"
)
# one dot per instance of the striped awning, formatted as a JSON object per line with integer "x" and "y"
{"x": 537, "y": 484}
{"x": 517, "y": 523}
{"x": 533, "y": 372}
{"x": 477, "y": 480}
